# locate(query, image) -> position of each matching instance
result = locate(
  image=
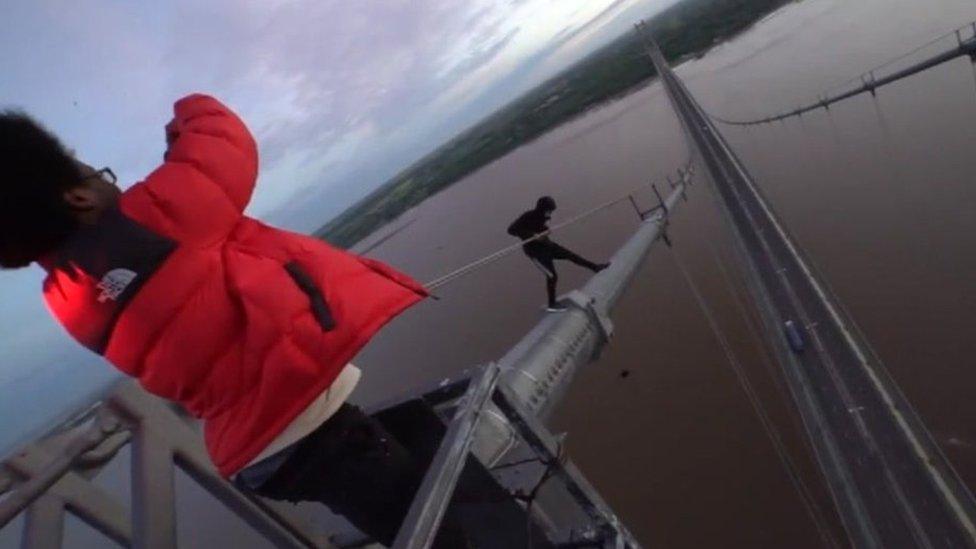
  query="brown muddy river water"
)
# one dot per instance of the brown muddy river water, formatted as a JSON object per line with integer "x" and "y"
{"x": 880, "y": 193}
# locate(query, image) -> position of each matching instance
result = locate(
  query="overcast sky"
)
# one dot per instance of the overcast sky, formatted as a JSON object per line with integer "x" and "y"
{"x": 340, "y": 95}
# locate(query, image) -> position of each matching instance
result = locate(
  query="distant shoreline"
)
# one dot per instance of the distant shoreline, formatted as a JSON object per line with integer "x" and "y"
{"x": 684, "y": 31}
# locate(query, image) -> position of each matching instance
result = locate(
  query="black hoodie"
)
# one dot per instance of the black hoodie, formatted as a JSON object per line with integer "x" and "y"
{"x": 530, "y": 224}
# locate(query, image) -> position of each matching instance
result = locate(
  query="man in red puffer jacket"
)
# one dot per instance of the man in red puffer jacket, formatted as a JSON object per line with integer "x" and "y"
{"x": 249, "y": 327}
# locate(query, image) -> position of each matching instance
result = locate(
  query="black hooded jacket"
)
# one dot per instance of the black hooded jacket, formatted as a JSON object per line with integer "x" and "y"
{"x": 530, "y": 224}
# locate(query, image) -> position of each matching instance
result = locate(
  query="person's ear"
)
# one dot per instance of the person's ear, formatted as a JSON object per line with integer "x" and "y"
{"x": 81, "y": 198}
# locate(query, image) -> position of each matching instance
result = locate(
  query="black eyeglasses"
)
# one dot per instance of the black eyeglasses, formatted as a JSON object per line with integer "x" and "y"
{"x": 105, "y": 174}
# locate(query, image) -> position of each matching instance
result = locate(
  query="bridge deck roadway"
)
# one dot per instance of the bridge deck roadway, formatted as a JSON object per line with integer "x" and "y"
{"x": 892, "y": 485}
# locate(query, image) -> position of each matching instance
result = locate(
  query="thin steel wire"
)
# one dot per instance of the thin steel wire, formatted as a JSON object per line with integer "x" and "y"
{"x": 495, "y": 256}
{"x": 789, "y": 465}
{"x": 445, "y": 279}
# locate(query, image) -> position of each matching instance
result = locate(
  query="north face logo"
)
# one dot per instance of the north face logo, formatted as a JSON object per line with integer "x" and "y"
{"x": 114, "y": 283}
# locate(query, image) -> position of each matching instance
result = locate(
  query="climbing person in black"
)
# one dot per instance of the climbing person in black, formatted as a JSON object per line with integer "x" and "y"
{"x": 543, "y": 252}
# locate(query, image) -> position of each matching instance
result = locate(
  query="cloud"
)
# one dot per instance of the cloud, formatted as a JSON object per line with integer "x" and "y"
{"x": 308, "y": 76}
{"x": 504, "y": 49}
{"x": 341, "y": 95}
{"x": 333, "y": 78}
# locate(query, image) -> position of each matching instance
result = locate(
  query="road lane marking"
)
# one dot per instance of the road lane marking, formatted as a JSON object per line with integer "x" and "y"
{"x": 919, "y": 449}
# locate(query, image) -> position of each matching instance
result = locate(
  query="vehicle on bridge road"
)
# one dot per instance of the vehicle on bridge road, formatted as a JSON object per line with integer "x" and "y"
{"x": 793, "y": 336}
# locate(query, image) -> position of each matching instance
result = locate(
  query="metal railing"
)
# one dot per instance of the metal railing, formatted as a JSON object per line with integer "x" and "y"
{"x": 420, "y": 527}
{"x": 53, "y": 477}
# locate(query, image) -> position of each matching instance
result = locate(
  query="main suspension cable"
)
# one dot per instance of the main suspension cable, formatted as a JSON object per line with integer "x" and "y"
{"x": 870, "y": 83}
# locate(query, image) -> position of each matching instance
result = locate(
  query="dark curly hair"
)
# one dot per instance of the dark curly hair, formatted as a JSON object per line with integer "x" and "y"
{"x": 35, "y": 171}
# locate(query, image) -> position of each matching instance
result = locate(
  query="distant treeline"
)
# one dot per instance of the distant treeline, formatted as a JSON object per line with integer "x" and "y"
{"x": 687, "y": 29}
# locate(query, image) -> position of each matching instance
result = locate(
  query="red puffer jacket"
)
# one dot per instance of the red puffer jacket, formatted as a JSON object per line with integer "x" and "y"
{"x": 242, "y": 323}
